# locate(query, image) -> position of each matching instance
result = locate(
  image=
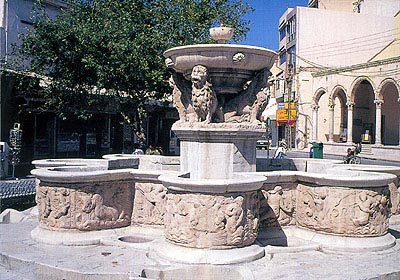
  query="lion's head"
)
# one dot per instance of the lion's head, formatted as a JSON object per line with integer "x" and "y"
{"x": 199, "y": 76}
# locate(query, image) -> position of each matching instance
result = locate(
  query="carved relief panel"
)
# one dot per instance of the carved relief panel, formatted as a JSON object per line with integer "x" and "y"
{"x": 84, "y": 207}
{"x": 149, "y": 204}
{"x": 277, "y": 205}
{"x": 212, "y": 221}
{"x": 348, "y": 211}
{"x": 395, "y": 198}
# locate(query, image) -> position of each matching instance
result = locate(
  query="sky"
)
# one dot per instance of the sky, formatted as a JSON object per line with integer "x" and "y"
{"x": 265, "y": 19}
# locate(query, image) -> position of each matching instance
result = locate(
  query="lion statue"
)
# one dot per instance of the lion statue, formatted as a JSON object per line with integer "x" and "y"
{"x": 204, "y": 99}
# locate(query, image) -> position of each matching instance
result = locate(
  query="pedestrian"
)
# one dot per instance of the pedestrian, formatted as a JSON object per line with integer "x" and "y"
{"x": 152, "y": 150}
{"x": 137, "y": 150}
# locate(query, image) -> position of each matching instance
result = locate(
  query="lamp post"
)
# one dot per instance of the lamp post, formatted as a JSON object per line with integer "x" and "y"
{"x": 268, "y": 133}
{"x": 15, "y": 146}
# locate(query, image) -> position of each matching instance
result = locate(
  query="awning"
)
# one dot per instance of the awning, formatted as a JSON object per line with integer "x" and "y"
{"x": 270, "y": 110}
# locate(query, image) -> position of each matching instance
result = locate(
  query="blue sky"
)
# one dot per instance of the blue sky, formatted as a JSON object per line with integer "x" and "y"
{"x": 265, "y": 19}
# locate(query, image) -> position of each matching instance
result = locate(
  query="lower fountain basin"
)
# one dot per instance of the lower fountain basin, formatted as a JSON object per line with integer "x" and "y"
{"x": 239, "y": 183}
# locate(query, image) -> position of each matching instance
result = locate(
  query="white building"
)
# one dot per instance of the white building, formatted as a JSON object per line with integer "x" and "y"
{"x": 346, "y": 73}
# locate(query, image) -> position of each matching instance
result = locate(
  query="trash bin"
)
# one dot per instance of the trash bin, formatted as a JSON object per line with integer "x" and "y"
{"x": 318, "y": 150}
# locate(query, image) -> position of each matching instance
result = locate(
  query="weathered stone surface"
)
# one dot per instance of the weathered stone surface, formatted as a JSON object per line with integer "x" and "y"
{"x": 149, "y": 204}
{"x": 212, "y": 221}
{"x": 199, "y": 103}
{"x": 277, "y": 205}
{"x": 395, "y": 198}
{"x": 345, "y": 211}
{"x": 100, "y": 205}
{"x": 231, "y": 146}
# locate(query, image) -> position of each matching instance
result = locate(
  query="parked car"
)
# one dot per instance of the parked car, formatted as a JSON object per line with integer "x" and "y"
{"x": 262, "y": 144}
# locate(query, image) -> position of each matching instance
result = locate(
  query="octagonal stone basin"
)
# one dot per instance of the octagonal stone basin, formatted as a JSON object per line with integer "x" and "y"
{"x": 230, "y": 66}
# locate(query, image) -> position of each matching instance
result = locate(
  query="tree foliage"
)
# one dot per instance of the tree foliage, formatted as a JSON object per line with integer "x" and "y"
{"x": 100, "y": 48}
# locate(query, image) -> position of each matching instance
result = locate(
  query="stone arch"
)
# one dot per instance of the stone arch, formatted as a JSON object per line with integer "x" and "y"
{"x": 337, "y": 91}
{"x": 319, "y": 121}
{"x": 356, "y": 83}
{"x": 363, "y": 95}
{"x": 338, "y": 99}
{"x": 385, "y": 83}
{"x": 389, "y": 92}
{"x": 317, "y": 95}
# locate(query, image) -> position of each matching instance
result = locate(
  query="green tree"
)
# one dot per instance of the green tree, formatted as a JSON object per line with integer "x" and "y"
{"x": 97, "y": 50}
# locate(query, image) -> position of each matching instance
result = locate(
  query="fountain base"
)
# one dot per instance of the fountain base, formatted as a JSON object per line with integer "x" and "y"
{"x": 181, "y": 254}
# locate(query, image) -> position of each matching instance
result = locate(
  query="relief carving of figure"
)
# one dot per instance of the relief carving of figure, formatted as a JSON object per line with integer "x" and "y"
{"x": 395, "y": 198}
{"x": 182, "y": 99}
{"x": 321, "y": 207}
{"x": 249, "y": 105}
{"x": 176, "y": 221}
{"x": 280, "y": 210}
{"x": 99, "y": 213}
{"x": 204, "y": 99}
{"x": 366, "y": 204}
{"x": 252, "y": 218}
{"x": 43, "y": 201}
{"x": 204, "y": 221}
{"x": 53, "y": 204}
{"x": 63, "y": 204}
{"x": 346, "y": 211}
{"x": 234, "y": 219}
{"x": 149, "y": 205}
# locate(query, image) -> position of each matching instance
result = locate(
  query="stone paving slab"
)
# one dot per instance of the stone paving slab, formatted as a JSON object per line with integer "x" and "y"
{"x": 23, "y": 258}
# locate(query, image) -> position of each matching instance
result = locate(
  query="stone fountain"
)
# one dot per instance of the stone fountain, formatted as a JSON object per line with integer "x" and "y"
{"x": 150, "y": 216}
{"x": 219, "y": 91}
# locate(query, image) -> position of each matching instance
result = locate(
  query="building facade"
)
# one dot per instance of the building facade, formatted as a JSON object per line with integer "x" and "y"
{"x": 343, "y": 63}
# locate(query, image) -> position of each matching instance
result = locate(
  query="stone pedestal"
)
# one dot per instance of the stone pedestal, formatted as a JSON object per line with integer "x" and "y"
{"x": 210, "y": 206}
{"x": 216, "y": 151}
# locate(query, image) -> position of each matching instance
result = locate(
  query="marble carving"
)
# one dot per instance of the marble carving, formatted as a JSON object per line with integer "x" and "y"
{"x": 149, "y": 204}
{"x": 212, "y": 221}
{"x": 277, "y": 206}
{"x": 84, "y": 207}
{"x": 198, "y": 102}
{"x": 346, "y": 211}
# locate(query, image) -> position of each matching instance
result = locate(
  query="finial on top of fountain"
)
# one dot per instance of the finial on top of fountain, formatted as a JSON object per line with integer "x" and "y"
{"x": 221, "y": 34}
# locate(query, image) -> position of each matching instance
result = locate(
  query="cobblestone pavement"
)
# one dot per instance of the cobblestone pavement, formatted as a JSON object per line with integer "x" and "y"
{"x": 17, "y": 194}
{"x": 15, "y": 188}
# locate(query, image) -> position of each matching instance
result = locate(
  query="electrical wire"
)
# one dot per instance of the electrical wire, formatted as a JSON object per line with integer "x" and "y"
{"x": 325, "y": 68}
{"x": 359, "y": 49}
{"x": 343, "y": 42}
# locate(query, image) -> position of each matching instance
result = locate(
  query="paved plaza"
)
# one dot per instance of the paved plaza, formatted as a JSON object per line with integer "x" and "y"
{"x": 24, "y": 259}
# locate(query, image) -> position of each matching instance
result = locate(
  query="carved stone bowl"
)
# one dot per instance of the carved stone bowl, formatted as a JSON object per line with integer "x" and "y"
{"x": 230, "y": 66}
{"x": 221, "y": 34}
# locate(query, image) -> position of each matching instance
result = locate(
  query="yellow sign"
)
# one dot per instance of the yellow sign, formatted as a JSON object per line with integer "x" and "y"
{"x": 292, "y": 105}
{"x": 283, "y": 116}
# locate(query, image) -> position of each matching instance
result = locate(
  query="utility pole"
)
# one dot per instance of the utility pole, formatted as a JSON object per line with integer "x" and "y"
{"x": 289, "y": 81}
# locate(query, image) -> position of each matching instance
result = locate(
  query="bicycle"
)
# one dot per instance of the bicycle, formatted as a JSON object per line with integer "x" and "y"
{"x": 352, "y": 157}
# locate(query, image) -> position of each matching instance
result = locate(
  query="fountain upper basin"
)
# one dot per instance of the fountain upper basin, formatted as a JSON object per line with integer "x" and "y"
{"x": 229, "y": 66}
